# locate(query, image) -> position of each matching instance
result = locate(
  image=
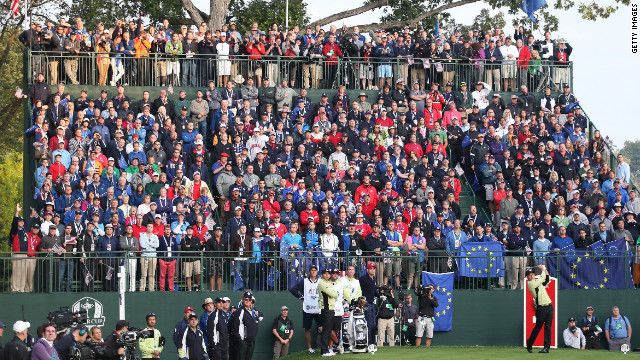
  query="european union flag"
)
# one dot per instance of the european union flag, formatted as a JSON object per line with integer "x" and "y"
{"x": 295, "y": 272}
{"x": 271, "y": 278}
{"x": 444, "y": 293}
{"x": 603, "y": 266}
{"x": 237, "y": 282}
{"x": 481, "y": 259}
{"x": 598, "y": 249}
{"x": 530, "y": 6}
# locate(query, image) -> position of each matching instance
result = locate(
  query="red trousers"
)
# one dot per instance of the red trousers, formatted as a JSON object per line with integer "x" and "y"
{"x": 167, "y": 269}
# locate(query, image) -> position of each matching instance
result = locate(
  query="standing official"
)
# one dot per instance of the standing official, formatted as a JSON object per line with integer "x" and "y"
{"x": 283, "y": 332}
{"x": 543, "y": 305}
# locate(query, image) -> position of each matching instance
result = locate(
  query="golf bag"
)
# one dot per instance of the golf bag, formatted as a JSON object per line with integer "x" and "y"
{"x": 358, "y": 334}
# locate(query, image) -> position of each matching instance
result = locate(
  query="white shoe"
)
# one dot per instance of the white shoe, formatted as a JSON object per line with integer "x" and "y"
{"x": 328, "y": 354}
{"x": 311, "y": 351}
{"x": 340, "y": 349}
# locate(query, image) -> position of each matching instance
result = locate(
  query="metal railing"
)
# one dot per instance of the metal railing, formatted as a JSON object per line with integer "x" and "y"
{"x": 109, "y": 69}
{"x": 272, "y": 271}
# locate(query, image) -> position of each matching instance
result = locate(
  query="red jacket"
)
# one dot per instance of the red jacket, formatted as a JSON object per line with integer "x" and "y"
{"x": 523, "y": 59}
{"x": 413, "y": 147}
{"x": 431, "y": 117}
{"x": 274, "y": 208}
{"x": 332, "y": 58}
{"x": 367, "y": 189}
{"x": 199, "y": 232}
{"x": 256, "y": 51}
{"x": 33, "y": 243}
{"x": 57, "y": 170}
{"x": 305, "y": 215}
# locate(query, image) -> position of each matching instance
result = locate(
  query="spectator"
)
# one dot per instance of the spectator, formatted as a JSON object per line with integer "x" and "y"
{"x": 282, "y": 332}
{"x": 573, "y": 336}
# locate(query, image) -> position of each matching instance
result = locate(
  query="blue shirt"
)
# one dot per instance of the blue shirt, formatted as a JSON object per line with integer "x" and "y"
{"x": 561, "y": 242}
{"x": 541, "y": 248}
{"x": 455, "y": 240}
{"x": 618, "y": 327}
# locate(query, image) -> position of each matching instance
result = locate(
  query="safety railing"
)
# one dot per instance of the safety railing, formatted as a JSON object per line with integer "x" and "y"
{"x": 483, "y": 266}
{"x": 321, "y": 72}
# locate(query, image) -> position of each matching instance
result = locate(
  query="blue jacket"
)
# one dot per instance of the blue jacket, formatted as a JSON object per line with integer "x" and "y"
{"x": 385, "y": 58}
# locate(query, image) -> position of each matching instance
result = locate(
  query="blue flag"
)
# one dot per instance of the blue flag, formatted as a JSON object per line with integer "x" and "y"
{"x": 295, "y": 272}
{"x": 237, "y": 282}
{"x": 598, "y": 249}
{"x": 603, "y": 266}
{"x": 272, "y": 277}
{"x": 530, "y": 6}
{"x": 480, "y": 259}
{"x": 444, "y": 293}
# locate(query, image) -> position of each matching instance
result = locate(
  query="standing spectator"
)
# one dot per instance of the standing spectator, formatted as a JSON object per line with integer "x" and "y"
{"x": 191, "y": 246}
{"x": 148, "y": 262}
{"x": 282, "y": 329}
{"x": 173, "y": 49}
{"x": 108, "y": 248}
{"x": 617, "y": 330}
{"x": 167, "y": 251}
{"x": 509, "y": 54}
{"x": 561, "y": 71}
{"x": 385, "y": 52}
{"x": 331, "y": 51}
{"x": 523, "y": 63}
{"x": 189, "y": 49}
{"x": 130, "y": 243}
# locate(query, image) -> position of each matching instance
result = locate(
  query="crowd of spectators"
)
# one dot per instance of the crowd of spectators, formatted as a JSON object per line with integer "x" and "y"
{"x": 134, "y": 54}
{"x": 365, "y": 176}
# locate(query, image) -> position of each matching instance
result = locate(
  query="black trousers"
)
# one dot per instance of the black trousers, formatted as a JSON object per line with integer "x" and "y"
{"x": 245, "y": 349}
{"x": 218, "y": 352}
{"x": 327, "y": 327}
{"x": 544, "y": 316}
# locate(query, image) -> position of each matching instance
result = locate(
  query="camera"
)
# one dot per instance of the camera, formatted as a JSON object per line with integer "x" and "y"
{"x": 64, "y": 319}
{"x": 422, "y": 290}
{"x": 385, "y": 290}
{"x": 87, "y": 351}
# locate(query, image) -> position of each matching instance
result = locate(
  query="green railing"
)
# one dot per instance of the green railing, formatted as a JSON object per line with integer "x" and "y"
{"x": 274, "y": 271}
{"x": 108, "y": 69}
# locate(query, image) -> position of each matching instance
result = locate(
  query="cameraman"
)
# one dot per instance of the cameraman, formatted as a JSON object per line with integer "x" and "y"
{"x": 427, "y": 303}
{"x": 573, "y": 336}
{"x": 151, "y": 346}
{"x": 70, "y": 341}
{"x": 386, "y": 314}
{"x": 408, "y": 314}
{"x": 113, "y": 349}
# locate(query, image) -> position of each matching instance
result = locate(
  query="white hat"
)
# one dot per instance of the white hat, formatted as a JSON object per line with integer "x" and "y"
{"x": 20, "y": 326}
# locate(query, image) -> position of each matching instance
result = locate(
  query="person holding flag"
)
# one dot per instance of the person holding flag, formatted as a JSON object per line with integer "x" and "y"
{"x": 543, "y": 306}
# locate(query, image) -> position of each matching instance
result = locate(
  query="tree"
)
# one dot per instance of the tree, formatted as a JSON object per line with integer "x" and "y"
{"x": 631, "y": 152}
{"x": 267, "y": 13}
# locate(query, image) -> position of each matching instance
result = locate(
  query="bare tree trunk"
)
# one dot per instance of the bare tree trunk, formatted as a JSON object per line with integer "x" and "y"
{"x": 349, "y": 13}
{"x": 412, "y": 22}
{"x": 217, "y": 13}
{"x": 193, "y": 11}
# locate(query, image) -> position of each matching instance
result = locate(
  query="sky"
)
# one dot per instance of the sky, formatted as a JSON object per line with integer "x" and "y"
{"x": 604, "y": 69}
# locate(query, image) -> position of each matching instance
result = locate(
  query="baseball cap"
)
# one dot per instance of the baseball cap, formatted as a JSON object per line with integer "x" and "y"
{"x": 20, "y": 326}
{"x": 529, "y": 271}
{"x": 188, "y": 308}
{"x": 371, "y": 266}
{"x": 284, "y": 307}
{"x": 571, "y": 319}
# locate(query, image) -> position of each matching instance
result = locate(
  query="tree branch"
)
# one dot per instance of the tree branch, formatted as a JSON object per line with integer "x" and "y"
{"x": 414, "y": 21}
{"x": 7, "y": 49}
{"x": 350, "y": 13}
{"x": 194, "y": 13}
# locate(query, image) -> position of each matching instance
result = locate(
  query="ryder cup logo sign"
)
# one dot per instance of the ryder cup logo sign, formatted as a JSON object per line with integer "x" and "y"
{"x": 94, "y": 309}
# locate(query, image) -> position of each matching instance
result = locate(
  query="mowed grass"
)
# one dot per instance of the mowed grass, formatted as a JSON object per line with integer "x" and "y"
{"x": 475, "y": 353}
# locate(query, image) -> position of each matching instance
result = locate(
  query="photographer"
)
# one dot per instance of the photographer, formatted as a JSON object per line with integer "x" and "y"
{"x": 427, "y": 303}
{"x": 590, "y": 329}
{"x": 386, "y": 314}
{"x": 408, "y": 314}
{"x": 114, "y": 349}
{"x": 71, "y": 341}
{"x": 573, "y": 336}
{"x": 151, "y": 345}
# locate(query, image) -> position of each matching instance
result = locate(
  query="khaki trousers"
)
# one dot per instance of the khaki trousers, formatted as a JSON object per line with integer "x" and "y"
{"x": 148, "y": 268}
